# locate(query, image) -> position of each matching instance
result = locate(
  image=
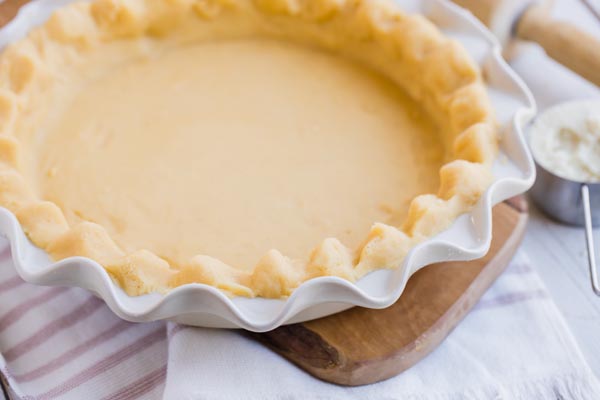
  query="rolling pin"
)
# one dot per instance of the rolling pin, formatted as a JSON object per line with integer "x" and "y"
{"x": 531, "y": 20}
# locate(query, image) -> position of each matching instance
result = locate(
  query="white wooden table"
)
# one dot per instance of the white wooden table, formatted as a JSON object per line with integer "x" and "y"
{"x": 558, "y": 254}
{"x": 557, "y": 251}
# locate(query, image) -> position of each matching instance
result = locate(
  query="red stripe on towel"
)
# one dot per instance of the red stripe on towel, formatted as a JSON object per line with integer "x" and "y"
{"x": 19, "y": 311}
{"x": 105, "y": 364}
{"x": 141, "y": 386}
{"x": 11, "y": 283}
{"x": 51, "y": 329}
{"x": 75, "y": 352}
{"x": 511, "y": 298}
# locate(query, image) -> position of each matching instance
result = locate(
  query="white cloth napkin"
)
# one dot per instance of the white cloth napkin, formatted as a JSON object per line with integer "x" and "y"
{"x": 59, "y": 343}
{"x": 513, "y": 345}
{"x": 65, "y": 344}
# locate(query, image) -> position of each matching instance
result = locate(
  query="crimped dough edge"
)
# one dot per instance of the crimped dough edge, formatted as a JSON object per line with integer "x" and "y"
{"x": 434, "y": 70}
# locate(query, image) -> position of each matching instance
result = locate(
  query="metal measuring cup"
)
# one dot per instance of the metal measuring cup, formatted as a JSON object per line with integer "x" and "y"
{"x": 571, "y": 202}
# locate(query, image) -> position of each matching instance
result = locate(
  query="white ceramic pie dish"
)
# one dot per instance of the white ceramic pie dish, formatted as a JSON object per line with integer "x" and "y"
{"x": 196, "y": 304}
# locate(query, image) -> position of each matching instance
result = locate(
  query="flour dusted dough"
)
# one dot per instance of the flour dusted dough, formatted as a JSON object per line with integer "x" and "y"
{"x": 248, "y": 145}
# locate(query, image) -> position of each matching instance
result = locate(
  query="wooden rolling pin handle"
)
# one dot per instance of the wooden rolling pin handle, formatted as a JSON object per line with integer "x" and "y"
{"x": 482, "y": 9}
{"x": 8, "y": 9}
{"x": 564, "y": 42}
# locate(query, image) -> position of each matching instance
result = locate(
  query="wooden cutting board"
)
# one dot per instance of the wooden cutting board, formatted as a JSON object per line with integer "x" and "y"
{"x": 362, "y": 346}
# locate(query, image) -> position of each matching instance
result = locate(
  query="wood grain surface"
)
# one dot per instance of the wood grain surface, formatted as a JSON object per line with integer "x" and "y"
{"x": 362, "y": 346}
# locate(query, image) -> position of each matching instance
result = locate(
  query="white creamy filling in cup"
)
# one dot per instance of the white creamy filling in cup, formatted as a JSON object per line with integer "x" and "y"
{"x": 565, "y": 142}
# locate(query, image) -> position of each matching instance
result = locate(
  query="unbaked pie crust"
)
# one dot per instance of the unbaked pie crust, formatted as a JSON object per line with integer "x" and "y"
{"x": 250, "y": 145}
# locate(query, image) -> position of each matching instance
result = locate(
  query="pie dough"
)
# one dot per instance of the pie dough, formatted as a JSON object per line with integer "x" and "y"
{"x": 250, "y": 145}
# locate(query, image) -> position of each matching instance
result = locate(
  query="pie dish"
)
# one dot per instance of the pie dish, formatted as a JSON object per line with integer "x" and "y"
{"x": 345, "y": 110}
{"x": 468, "y": 236}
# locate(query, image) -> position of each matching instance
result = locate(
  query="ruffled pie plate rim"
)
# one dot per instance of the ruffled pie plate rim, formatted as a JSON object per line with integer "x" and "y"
{"x": 468, "y": 238}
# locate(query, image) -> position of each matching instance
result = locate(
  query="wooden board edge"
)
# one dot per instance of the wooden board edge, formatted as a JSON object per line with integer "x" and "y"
{"x": 323, "y": 361}
{"x": 382, "y": 369}
{"x": 290, "y": 340}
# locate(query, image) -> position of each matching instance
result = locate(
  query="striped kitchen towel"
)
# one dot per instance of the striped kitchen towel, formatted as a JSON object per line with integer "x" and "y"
{"x": 63, "y": 343}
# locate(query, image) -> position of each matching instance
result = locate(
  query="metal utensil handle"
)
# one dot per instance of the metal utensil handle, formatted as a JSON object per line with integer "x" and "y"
{"x": 589, "y": 238}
